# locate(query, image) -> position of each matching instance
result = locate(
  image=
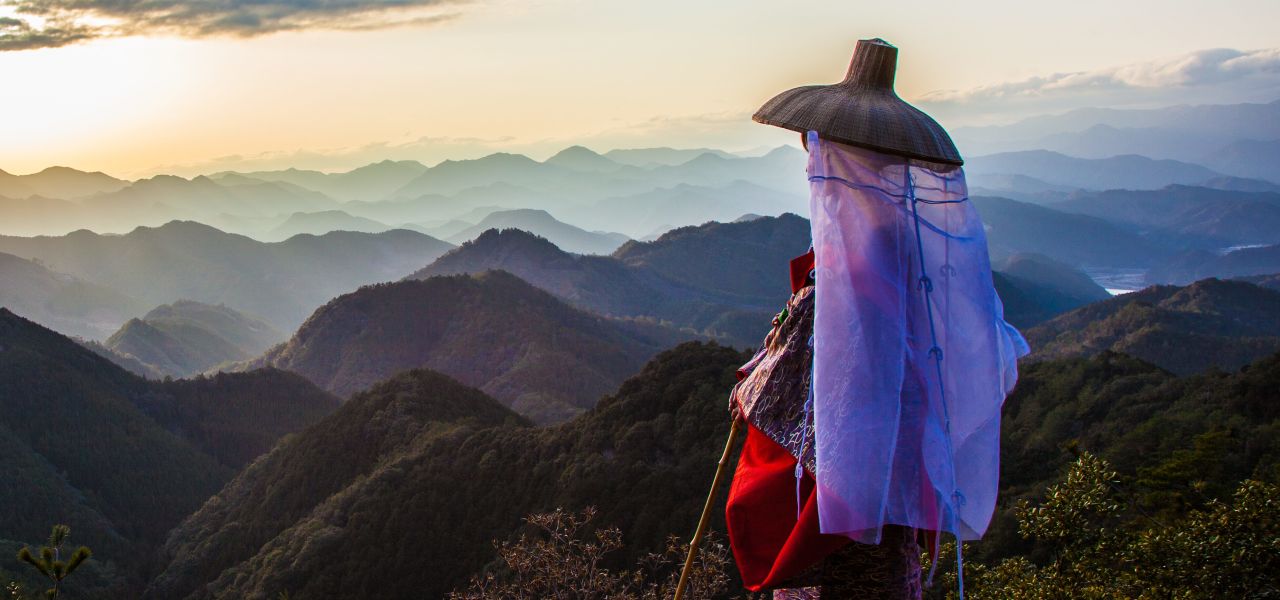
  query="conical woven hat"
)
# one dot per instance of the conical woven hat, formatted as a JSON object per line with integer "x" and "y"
{"x": 863, "y": 110}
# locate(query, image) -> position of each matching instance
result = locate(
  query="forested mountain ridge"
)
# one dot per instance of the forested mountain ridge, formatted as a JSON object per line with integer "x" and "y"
{"x": 1191, "y": 266}
{"x": 1078, "y": 240}
{"x": 724, "y": 280}
{"x": 121, "y": 459}
{"x": 643, "y": 455}
{"x": 1181, "y": 441}
{"x": 675, "y": 278}
{"x": 1211, "y": 323}
{"x": 491, "y": 330}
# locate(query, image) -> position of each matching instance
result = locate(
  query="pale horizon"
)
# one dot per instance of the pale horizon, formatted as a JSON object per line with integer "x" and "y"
{"x": 455, "y": 80}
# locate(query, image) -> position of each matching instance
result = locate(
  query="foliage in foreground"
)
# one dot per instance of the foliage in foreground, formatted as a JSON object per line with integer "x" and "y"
{"x": 566, "y": 560}
{"x": 1228, "y": 549}
{"x": 50, "y": 563}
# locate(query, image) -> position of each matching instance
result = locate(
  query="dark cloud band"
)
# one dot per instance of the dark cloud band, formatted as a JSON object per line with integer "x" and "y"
{"x": 52, "y": 23}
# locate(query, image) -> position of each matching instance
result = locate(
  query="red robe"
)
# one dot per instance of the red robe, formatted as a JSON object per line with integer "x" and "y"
{"x": 772, "y": 541}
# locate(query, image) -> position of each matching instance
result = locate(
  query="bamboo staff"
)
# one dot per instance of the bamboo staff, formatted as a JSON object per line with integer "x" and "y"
{"x": 706, "y": 509}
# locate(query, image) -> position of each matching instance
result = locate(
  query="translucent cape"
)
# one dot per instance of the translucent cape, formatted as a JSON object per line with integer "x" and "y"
{"x": 912, "y": 356}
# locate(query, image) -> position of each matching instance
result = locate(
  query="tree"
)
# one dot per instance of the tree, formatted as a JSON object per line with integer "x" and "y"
{"x": 50, "y": 563}
{"x": 564, "y": 562}
{"x": 1101, "y": 549}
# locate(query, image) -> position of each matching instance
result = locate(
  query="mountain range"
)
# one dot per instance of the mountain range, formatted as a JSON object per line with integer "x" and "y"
{"x": 1129, "y": 172}
{"x": 282, "y": 282}
{"x": 1200, "y": 134}
{"x": 679, "y": 278}
{"x": 678, "y": 187}
{"x": 643, "y": 456}
{"x": 118, "y": 458}
{"x": 1243, "y": 262}
{"x": 58, "y": 182}
{"x": 1078, "y": 240}
{"x": 1208, "y": 324}
{"x": 541, "y": 223}
{"x": 187, "y": 338}
{"x": 538, "y": 355}
{"x": 286, "y": 524}
{"x": 68, "y": 304}
{"x": 1035, "y": 288}
{"x": 322, "y": 222}
{"x": 1186, "y": 216}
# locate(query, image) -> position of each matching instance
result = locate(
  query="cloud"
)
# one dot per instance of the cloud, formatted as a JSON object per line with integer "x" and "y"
{"x": 1219, "y": 75}
{"x": 17, "y": 34}
{"x": 30, "y": 24}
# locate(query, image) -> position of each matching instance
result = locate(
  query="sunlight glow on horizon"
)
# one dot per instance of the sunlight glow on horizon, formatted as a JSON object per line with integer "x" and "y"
{"x": 541, "y": 77}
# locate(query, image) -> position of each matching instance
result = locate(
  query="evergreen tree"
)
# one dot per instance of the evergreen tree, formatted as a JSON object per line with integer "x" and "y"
{"x": 50, "y": 563}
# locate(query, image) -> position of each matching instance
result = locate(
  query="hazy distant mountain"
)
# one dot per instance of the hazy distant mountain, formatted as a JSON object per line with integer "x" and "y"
{"x": 655, "y": 157}
{"x": 319, "y": 223}
{"x": 12, "y": 186}
{"x": 453, "y": 176}
{"x": 62, "y": 302}
{"x": 368, "y": 183}
{"x": 127, "y": 362}
{"x": 537, "y": 354}
{"x": 782, "y": 169}
{"x": 578, "y": 185}
{"x": 1241, "y": 184}
{"x": 1195, "y": 265}
{"x": 541, "y": 223}
{"x": 1035, "y": 288}
{"x": 157, "y": 200}
{"x": 724, "y": 280}
{"x": 282, "y": 282}
{"x": 439, "y": 229}
{"x": 579, "y": 158}
{"x": 35, "y": 215}
{"x": 1257, "y": 159}
{"x": 1191, "y": 217}
{"x": 58, "y": 182}
{"x": 662, "y": 209}
{"x": 1211, "y": 323}
{"x": 1271, "y": 281}
{"x": 1130, "y": 172}
{"x": 187, "y": 338}
{"x": 1042, "y": 270}
{"x": 1187, "y": 133}
{"x": 1018, "y": 187}
{"x": 557, "y": 188}
{"x": 1078, "y": 240}
{"x": 118, "y": 458}
{"x": 414, "y": 462}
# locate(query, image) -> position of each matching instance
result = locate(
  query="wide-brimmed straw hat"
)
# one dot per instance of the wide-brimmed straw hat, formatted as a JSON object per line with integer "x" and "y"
{"x": 863, "y": 110}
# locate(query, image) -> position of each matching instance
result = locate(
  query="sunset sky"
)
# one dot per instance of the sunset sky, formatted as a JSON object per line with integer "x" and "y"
{"x": 185, "y": 87}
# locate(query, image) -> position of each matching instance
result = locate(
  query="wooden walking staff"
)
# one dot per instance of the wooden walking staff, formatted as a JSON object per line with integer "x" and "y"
{"x": 701, "y": 532}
